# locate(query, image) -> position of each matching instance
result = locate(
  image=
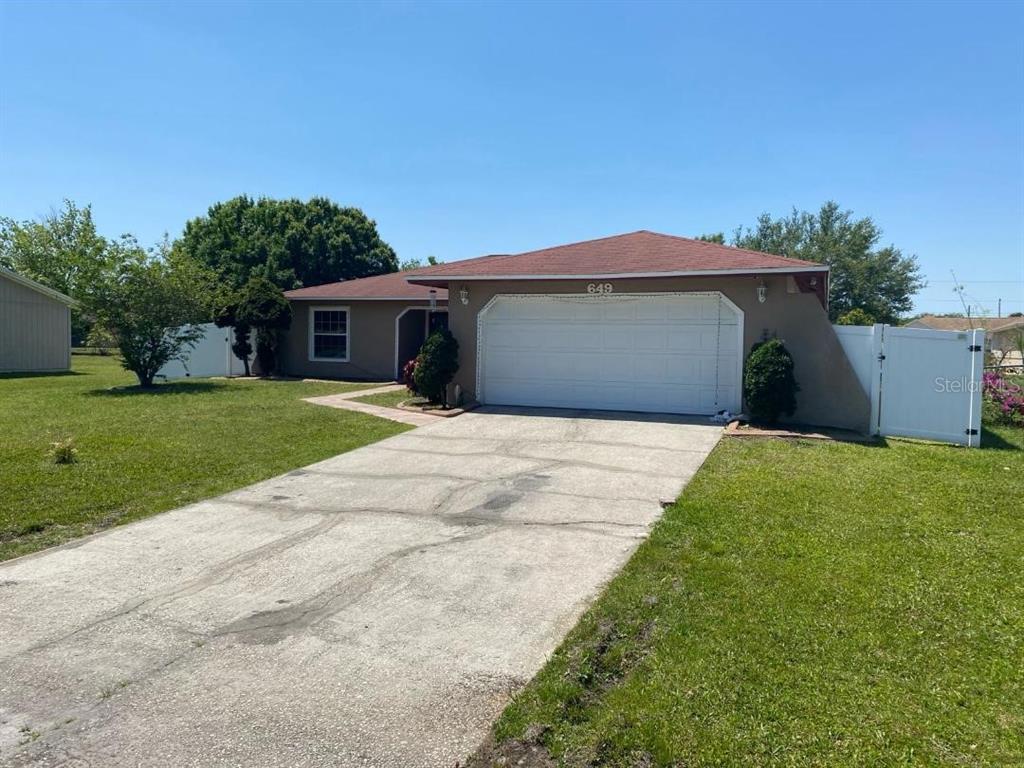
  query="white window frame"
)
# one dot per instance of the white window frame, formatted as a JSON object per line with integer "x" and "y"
{"x": 348, "y": 333}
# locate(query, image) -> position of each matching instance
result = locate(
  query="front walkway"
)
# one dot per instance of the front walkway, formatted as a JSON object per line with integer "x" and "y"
{"x": 345, "y": 401}
{"x": 375, "y": 609}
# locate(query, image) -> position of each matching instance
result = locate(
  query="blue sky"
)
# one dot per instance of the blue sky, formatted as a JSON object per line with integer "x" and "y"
{"x": 466, "y": 129}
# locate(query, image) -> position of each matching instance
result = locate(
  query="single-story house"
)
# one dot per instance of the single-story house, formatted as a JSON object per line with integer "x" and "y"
{"x": 360, "y": 329}
{"x": 635, "y": 322}
{"x": 1003, "y": 335}
{"x": 35, "y": 326}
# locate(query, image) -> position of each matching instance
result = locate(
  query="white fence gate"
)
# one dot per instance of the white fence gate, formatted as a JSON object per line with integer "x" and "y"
{"x": 211, "y": 356}
{"x": 922, "y": 383}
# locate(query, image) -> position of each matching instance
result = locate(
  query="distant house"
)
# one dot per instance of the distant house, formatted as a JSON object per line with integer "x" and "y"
{"x": 1002, "y": 334}
{"x": 35, "y": 326}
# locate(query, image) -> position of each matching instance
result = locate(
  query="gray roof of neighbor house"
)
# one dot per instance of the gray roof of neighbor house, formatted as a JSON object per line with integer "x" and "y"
{"x": 39, "y": 287}
{"x": 381, "y": 287}
{"x": 636, "y": 254}
{"x": 991, "y": 324}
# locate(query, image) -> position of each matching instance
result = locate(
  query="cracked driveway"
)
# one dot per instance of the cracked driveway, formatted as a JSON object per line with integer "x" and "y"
{"x": 374, "y": 609}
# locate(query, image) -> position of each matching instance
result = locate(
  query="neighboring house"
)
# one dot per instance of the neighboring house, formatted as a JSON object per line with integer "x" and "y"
{"x": 360, "y": 329}
{"x": 1002, "y": 334}
{"x": 637, "y": 322}
{"x": 35, "y": 326}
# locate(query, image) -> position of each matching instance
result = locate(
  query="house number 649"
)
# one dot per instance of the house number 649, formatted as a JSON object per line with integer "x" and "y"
{"x": 599, "y": 287}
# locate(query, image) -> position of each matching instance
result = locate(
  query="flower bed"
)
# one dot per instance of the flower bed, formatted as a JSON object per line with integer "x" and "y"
{"x": 1003, "y": 399}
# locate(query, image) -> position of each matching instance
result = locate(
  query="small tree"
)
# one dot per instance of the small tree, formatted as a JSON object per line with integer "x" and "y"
{"x": 225, "y": 315}
{"x": 436, "y": 365}
{"x": 262, "y": 306}
{"x": 151, "y": 307}
{"x": 769, "y": 386}
{"x": 855, "y": 316}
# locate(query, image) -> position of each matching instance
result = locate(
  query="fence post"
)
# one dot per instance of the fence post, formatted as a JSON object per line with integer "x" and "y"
{"x": 977, "y": 371}
{"x": 877, "y": 355}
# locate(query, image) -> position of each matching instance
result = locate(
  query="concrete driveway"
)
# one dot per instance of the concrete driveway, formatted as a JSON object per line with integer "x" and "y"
{"x": 374, "y": 609}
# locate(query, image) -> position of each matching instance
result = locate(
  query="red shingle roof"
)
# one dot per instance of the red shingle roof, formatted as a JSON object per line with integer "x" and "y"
{"x": 391, "y": 286}
{"x": 640, "y": 252}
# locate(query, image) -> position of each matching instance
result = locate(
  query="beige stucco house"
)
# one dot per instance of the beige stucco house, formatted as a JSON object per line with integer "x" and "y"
{"x": 35, "y": 326}
{"x": 636, "y": 322}
{"x": 360, "y": 329}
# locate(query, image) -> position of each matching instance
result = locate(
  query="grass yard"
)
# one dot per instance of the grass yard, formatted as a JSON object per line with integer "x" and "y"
{"x": 803, "y": 604}
{"x": 140, "y": 453}
{"x": 386, "y": 399}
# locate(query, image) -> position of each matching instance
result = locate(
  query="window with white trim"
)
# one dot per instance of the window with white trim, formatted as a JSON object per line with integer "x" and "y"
{"x": 328, "y": 334}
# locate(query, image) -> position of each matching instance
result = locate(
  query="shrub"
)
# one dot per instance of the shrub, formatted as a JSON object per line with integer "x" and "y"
{"x": 436, "y": 365}
{"x": 1002, "y": 400}
{"x": 100, "y": 339}
{"x": 855, "y": 316}
{"x": 63, "y": 451}
{"x": 409, "y": 376}
{"x": 769, "y": 387}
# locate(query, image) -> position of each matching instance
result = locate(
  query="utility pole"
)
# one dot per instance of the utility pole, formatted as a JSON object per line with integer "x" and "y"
{"x": 999, "y": 310}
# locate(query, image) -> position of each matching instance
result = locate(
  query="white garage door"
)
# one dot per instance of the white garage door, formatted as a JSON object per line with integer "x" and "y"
{"x": 668, "y": 353}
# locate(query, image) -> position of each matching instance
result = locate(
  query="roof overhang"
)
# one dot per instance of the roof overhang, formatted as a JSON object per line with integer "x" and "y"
{"x": 440, "y": 280}
{"x": 363, "y": 298}
{"x": 37, "y": 287}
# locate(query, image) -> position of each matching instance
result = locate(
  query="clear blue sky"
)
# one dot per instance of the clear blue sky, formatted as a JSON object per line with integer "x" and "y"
{"x": 466, "y": 129}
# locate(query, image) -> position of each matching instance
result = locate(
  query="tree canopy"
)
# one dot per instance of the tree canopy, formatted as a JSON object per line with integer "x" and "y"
{"x": 290, "y": 242}
{"x": 879, "y": 281}
{"x": 151, "y": 305}
{"x": 61, "y": 251}
{"x": 408, "y": 264}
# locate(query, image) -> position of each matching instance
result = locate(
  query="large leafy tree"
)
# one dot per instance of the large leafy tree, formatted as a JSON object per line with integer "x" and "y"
{"x": 879, "y": 281}
{"x": 63, "y": 251}
{"x": 290, "y": 242}
{"x": 151, "y": 304}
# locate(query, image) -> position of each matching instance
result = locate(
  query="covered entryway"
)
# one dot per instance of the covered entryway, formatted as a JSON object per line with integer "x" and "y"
{"x": 412, "y": 327}
{"x": 655, "y": 352}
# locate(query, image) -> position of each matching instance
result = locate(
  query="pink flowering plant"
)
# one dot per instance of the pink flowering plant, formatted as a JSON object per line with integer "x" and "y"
{"x": 1003, "y": 399}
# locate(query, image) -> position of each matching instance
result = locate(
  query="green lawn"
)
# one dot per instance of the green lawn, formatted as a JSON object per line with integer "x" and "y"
{"x": 146, "y": 452}
{"x": 386, "y": 399}
{"x": 803, "y": 603}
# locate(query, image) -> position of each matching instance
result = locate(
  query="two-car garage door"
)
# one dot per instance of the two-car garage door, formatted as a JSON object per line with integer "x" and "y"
{"x": 668, "y": 353}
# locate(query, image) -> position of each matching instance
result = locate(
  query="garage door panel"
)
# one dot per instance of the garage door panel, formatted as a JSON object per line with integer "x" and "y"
{"x": 663, "y": 353}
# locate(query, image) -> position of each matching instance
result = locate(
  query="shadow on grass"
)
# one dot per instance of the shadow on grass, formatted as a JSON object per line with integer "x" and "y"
{"x": 173, "y": 388}
{"x": 39, "y": 374}
{"x": 994, "y": 441}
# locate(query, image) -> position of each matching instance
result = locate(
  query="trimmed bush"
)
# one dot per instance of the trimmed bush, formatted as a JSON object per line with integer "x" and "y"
{"x": 769, "y": 387}
{"x": 436, "y": 365}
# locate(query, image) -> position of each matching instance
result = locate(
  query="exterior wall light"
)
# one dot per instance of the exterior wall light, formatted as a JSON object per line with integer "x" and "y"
{"x": 464, "y": 295}
{"x": 433, "y": 298}
{"x": 762, "y": 293}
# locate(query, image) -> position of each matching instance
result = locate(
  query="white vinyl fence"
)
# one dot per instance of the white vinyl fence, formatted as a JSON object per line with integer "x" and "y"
{"x": 922, "y": 383}
{"x": 211, "y": 356}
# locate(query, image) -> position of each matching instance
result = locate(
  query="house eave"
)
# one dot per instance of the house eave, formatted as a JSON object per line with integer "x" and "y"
{"x": 435, "y": 279}
{"x": 37, "y": 287}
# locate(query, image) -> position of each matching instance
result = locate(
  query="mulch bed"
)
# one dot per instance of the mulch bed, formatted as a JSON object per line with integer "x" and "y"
{"x": 744, "y": 429}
